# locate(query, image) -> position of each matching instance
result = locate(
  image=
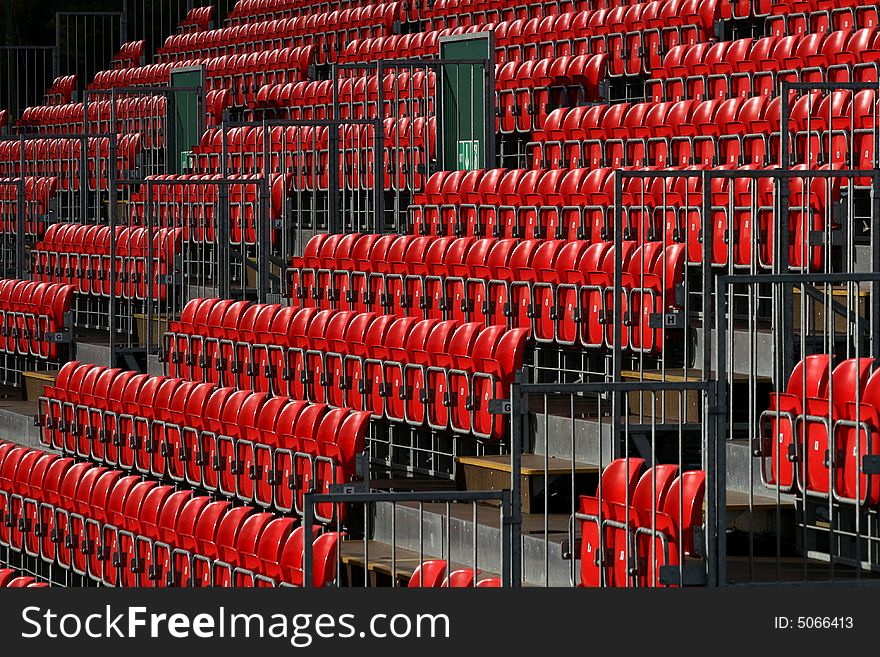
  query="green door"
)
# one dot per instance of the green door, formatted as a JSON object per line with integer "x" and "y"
{"x": 467, "y": 119}
{"x": 186, "y": 117}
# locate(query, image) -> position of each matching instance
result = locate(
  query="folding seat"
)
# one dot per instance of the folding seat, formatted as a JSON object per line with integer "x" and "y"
{"x": 597, "y": 298}
{"x": 574, "y": 258}
{"x": 279, "y": 366}
{"x": 137, "y": 541}
{"x": 855, "y": 437}
{"x": 443, "y": 254}
{"x": 60, "y": 524}
{"x": 448, "y": 280}
{"x": 617, "y": 485}
{"x": 324, "y": 558}
{"x": 326, "y": 455}
{"x": 22, "y": 582}
{"x": 442, "y": 404}
{"x": 532, "y": 289}
{"x": 489, "y": 582}
{"x": 306, "y": 355}
{"x": 510, "y": 299}
{"x": 285, "y": 562}
{"x": 197, "y": 529}
{"x": 30, "y": 522}
{"x": 364, "y": 373}
{"x": 864, "y": 112}
{"x": 293, "y": 466}
{"x": 183, "y": 340}
{"x": 7, "y": 575}
{"x": 222, "y": 348}
{"x": 339, "y": 444}
{"x": 56, "y": 415}
{"x": 496, "y": 358}
{"x": 76, "y": 498}
{"x": 364, "y": 278}
{"x": 176, "y": 544}
{"x": 119, "y": 418}
{"x": 689, "y": 75}
{"x": 653, "y": 294}
{"x": 124, "y": 507}
{"x": 666, "y": 538}
{"x": 460, "y": 579}
{"x": 222, "y": 551}
{"x": 253, "y": 459}
{"x": 243, "y": 558}
{"x": 819, "y": 458}
{"x": 277, "y": 419}
{"x": 202, "y": 439}
{"x": 186, "y": 434}
{"x": 653, "y": 487}
{"x": 648, "y": 141}
{"x": 15, "y": 480}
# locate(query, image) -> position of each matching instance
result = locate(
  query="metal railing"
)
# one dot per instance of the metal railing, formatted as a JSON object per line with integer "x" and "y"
{"x": 468, "y": 530}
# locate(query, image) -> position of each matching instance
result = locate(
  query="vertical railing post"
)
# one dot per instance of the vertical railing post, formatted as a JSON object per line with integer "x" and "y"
{"x": 875, "y": 261}
{"x": 334, "y": 221}
{"x": 617, "y": 357}
{"x": 518, "y": 418}
{"x": 262, "y": 218}
{"x": 721, "y": 418}
{"x": 224, "y": 266}
{"x": 21, "y": 208}
{"x": 308, "y": 521}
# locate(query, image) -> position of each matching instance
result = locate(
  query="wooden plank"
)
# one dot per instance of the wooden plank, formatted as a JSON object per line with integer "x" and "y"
{"x": 379, "y": 555}
{"x": 48, "y": 375}
{"x": 739, "y": 501}
{"x": 532, "y": 465}
{"x": 676, "y": 375}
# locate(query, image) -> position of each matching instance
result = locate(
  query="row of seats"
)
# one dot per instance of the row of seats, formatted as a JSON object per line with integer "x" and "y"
{"x": 818, "y": 435}
{"x": 805, "y": 16}
{"x": 426, "y": 373}
{"x": 751, "y": 67}
{"x": 558, "y": 291}
{"x": 32, "y": 314}
{"x": 122, "y": 531}
{"x": 579, "y": 204}
{"x": 326, "y": 33}
{"x": 141, "y": 114}
{"x": 241, "y": 74}
{"x": 433, "y": 574}
{"x": 10, "y": 579}
{"x": 453, "y": 13}
{"x": 637, "y": 523}
{"x": 80, "y": 255}
{"x": 192, "y": 202}
{"x": 39, "y": 202}
{"x": 835, "y": 128}
{"x": 404, "y": 93}
{"x": 248, "y": 11}
{"x": 61, "y": 90}
{"x": 409, "y": 148}
{"x": 130, "y": 54}
{"x": 62, "y": 158}
{"x": 634, "y": 36}
{"x": 528, "y": 91}
{"x": 243, "y": 445}
{"x": 634, "y": 45}
{"x": 197, "y": 19}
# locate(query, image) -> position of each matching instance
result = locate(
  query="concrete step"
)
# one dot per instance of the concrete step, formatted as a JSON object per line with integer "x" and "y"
{"x": 425, "y": 529}
{"x": 17, "y": 420}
